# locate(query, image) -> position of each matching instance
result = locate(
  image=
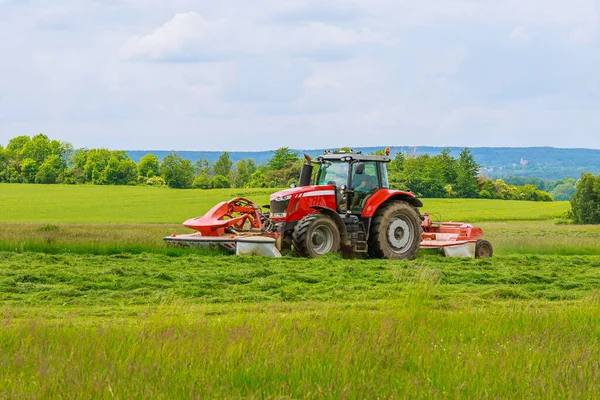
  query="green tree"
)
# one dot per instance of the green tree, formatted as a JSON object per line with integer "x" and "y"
{"x": 563, "y": 189}
{"x": 288, "y": 173}
{"x": 243, "y": 172}
{"x": 422, "y": 175}
{"x": 76, "y": 172}
{"x": 50, "y": 171}
{"x": 120, "y": 172}
{"x": 203, "y": 167}
{"x": 177, "y": 172}
{"x": 257, "y": 179}
{"x": 585, "y": 203}
{"x": 96, "y": 161}
{"x": 14, "y": 148}
{"x": 3, "y": 165}
{"x": 281, "y": 157}
{"x": 219, "y": 182}
{"x": 223, "y": 165}
{"x": 148, "y": 166}
{"x": 29, "y": 169}
{"x": 448, "y": 166}
{"x": 38, "y": 148}
{"x": 466, "y": 177}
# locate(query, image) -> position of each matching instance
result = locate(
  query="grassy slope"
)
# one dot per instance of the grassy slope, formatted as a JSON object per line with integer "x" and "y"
{"x": 119, "y": 204}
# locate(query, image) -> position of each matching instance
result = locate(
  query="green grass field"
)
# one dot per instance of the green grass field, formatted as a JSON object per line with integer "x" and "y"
{"x": 92, "y": 305}
{"x": 137, "y": 204}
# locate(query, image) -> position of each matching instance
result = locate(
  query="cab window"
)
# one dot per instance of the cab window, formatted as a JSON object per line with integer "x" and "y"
{"x": 364, "y": 185}
{"x": 335, "y": 173}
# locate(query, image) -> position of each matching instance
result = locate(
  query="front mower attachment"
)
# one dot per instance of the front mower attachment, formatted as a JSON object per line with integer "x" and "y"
{"x": 247, "y": 245}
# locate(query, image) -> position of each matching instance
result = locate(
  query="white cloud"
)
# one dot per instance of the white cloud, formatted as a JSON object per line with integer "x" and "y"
{"x": 520, "y": 35}
{"x": 187, "y": 37}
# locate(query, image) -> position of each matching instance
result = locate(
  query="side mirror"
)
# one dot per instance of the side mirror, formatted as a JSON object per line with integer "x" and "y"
{"x": 360, "y": 168}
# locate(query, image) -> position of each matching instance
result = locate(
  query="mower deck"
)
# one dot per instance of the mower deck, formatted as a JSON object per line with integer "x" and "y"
{"x": 256, "y": 245}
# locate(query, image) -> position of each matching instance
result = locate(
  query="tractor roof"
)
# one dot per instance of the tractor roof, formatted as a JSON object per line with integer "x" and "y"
{"x": 351, "y": 155}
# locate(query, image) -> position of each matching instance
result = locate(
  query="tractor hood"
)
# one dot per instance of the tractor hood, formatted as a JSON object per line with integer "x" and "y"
{"x": 313, "y": 190}
{"x": 293, "y": 204}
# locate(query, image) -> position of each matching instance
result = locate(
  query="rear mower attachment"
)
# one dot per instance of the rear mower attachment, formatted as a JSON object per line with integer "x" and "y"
{"x": 455, "y": 239}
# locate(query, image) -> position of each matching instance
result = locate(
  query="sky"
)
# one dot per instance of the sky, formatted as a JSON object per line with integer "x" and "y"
{"x": 262, "y": 74}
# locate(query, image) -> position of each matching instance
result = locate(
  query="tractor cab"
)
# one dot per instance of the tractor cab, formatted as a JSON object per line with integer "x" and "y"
{"x": 355, "y": 176}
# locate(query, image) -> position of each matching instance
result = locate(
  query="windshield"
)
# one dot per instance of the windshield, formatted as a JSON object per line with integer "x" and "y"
{"x": 333, "y": 173}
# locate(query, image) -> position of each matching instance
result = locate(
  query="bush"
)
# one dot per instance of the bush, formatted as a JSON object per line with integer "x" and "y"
{"x": 156, "y": 181}
{"x": 202, "y": 181}
{"x": 220, "y": 182}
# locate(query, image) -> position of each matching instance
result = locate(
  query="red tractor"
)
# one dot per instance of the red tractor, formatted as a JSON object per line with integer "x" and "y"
{"x": 349, "y": 208}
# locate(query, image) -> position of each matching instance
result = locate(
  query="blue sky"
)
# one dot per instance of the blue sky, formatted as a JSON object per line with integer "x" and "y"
{"x": 234, "y": 75}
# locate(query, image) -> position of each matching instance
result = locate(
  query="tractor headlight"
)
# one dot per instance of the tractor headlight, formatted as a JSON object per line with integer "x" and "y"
{"x": 283, "y": 198}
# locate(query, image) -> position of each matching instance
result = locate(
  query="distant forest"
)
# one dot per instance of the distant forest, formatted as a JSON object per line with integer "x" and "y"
{"x": 544, "y": 163}
{"x": 427, "y": 171}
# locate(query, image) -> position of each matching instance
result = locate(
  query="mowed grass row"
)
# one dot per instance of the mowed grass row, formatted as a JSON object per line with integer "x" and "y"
{"x": 134, "y": 204}
{"x": 385, "y": 350}
{"x": 510, "y": 237}
{"x": 37, "y": 279}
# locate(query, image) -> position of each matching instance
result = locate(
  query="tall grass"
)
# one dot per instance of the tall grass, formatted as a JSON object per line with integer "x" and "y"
{"x": 392, "y": 350}
{"x": 89, "y": 238}
{"x": 542, "y": 237}
{"x": 512, "y": 237}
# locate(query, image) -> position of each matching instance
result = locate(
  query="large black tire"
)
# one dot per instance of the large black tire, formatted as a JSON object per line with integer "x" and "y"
{"x": 315, "y": 235}
{"x": 395, "y": 232}
{"x": 483, "y": 249}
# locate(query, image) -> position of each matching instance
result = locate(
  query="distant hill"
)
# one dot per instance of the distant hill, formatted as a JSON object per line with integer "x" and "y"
{"x": 497, "y": 162}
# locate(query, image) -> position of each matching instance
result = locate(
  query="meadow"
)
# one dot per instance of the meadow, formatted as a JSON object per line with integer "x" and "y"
{"x": 93, "y": 305}
{"x": 142, "y": 205}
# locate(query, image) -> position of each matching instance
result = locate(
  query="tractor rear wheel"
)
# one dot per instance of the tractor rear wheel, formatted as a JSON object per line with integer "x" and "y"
{"x": 395, "y": 232}
{"x": 483, "y": 249}
{"x": 315, "y": 235}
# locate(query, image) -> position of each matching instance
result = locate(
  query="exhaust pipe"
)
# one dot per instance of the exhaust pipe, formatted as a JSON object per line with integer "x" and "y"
{"x": 306, "y": 171}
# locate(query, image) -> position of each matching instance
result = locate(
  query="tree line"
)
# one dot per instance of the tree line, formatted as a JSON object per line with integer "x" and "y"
{"x": 38, "y": 159}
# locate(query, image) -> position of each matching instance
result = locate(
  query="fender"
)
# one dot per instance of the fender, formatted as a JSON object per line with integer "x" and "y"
{"x": 384, "y": 195}
{"x": 338, "y": 221}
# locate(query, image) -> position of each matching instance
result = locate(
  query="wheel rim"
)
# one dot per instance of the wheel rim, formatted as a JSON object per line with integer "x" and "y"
{"x": 321, "y": 239}
{"x": 399, "y": 234}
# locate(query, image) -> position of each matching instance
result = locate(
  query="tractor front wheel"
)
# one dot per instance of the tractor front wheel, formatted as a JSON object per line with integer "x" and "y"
{"x": 395, "y": 232}
{"x": 315, "y": 235}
